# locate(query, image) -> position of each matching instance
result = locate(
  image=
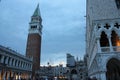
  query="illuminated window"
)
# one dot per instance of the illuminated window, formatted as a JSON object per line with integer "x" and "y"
{"x": 115, "y": 39}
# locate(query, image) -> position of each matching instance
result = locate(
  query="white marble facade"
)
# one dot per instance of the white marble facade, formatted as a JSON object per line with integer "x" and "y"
{"x": 103, "y": 39}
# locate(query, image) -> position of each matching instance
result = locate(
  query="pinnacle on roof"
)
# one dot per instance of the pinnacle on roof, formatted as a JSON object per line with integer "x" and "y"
{"x": 37, "y": 11}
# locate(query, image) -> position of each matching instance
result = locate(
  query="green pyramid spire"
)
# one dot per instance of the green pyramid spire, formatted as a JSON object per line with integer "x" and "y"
{"x": 37, "y": 11}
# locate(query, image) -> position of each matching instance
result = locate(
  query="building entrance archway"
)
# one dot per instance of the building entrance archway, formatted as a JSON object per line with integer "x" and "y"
{"x": 113, "y": 69}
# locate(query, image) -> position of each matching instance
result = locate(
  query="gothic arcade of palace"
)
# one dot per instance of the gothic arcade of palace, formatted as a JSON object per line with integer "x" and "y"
{"x": 103, "y": 39}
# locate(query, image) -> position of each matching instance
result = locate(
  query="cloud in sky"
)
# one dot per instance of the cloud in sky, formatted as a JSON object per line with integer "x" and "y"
{"x": 63, "y": 27}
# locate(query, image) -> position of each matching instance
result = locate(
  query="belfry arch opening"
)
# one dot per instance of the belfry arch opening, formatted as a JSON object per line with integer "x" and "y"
{"x": 104, "y": 40}
{"x": 115, "y": 39}
{"x": 113, "y": 69}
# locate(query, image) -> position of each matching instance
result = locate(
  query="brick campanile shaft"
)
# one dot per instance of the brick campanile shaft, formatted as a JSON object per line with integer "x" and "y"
{"x": 33, "y": 49}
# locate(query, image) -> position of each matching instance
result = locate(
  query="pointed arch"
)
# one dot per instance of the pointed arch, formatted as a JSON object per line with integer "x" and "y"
{"x": 115, "y": 39}
{"x": 102, "y": 30}
{"x": 113, "y": 69}
{"x": 104, "y": 40}
{"x": 114, "y": 29}
{"x": 117, "y": 3}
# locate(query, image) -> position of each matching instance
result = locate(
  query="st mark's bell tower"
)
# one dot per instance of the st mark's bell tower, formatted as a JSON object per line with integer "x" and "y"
{"x": 33, "y": 49}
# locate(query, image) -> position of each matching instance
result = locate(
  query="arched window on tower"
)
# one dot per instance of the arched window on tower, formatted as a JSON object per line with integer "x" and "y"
{"x": 117, "y": 3}
{"x": 104, "y": 40}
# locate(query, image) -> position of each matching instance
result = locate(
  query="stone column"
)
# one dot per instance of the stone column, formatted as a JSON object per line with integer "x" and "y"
{"x": 19, "y": 76}
{"x": 2, "y": 60}
{"x": 4, "y": 75}
{"x": 98, "y": 44}
{"x": 10, "y": 62}
{"x": 0, "y": 75}
{"x": 12, "y": 74}
{"x": 6, "y": 62}
{"x": 103, "y": 76}
{"x": 30, "y": 75}
{"x": 8, "y": 75}
{"x": 14, "y": 62}
{"x": 17, "y": 64}
{"x": 110, "y": 43}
